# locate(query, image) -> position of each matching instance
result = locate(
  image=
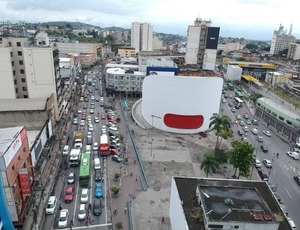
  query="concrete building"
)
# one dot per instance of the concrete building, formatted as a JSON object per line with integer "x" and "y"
{"x": 207, "y": 203}
{"x": 78, "y": 47}
{"x": 156, "y": 43}
{"x": 281, "y": 40}
{"x": 294, "y": 51}
{"x": 234, "y": 73}
{"x": 5, "y": 220}
{"x": 161, "y": 66}
{"x": 126, "y": 51}
{"x": 42, "y": 39}
{"x": 16, "y": 171}
{"x": 141, "y": 36}
{"x": 127, "y": 82}
{"x": 166, "y": 107}
{"x": 202, "y": 43}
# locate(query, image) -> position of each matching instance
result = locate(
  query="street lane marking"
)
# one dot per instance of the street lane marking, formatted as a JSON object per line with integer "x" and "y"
{"x": 90, "y": 226}
{"x": 288, "y": 193}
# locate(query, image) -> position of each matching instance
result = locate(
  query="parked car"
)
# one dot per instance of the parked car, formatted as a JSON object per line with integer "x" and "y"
{"x": 63, "y": 218}
{"x": 267, "y": 133}
{"x": 260, "y": 139}
{"x": 257, "y": 163}
{"x": 103, "y": 117}
{"x": 241, "y": 132}
{"x": 66, "y": 150}
{"x": 51, "y": 205}
{"x": 297, "y": 179}
{"x": 75, "y": 121}
{"x": 264, "y": 148}
{"x": 117, "y": 158}
{"x": 245, "y": 128}
{"x": 267, "y": 163}
{"x": 203, "y": 134}
{"x": 230, "y": 104}
{"x": 81, "y": 212}
{"x": 97, "y": 207}
{"x": 71, "y": 178}
{"x": 246, "y": 116}
{"x": 69, "y": 194}
{"x": 284, "y": 209}
{"x": 291, "y": 223}
{"x": 98, "y": 175}
{"x": 263, "y": 175}
{"x": 233, "y": 110}
{"x": 255, "y": 122}
{"x": 254, "y": 131}
{"x": 242, "y": 123}
{"x": 248, "y": 122}
{"x": 98, "y": 190}
{"x": 115, "y": 152}
{"x": 294, "y": 155}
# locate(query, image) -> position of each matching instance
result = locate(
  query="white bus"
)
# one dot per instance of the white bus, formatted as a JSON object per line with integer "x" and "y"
{"x": 238, "y": 101}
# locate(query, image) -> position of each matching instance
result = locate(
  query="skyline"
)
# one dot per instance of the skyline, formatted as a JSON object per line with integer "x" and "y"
{"x": 250, "y": 19}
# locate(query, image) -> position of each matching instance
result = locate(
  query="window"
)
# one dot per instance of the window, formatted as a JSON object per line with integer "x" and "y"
{"x": 23, "y": 79}
{"x": 19, "y": 53}
{"x": 281, "y": 118}
{"x": 25, "y": 96}
{"x": 24, "y": 88}
{"x": 11, "y": 54}
{"x": 274, "y": 114}
{"x": 15, "y": 81}
{"x": 268, "y": 110}
{"x": 19, "y": 158}
{"x": 21, "y": 62}
{"x": 22, "y": 71}
{"x": 14, "y": 72}
{"x": 9, "y": 44}
{"x": 13, "y": 167}
{"x": 16, "y": 90}
{"x": 12, "y": 63}
{"x": 289, "y": 122}
{"x": 18, "y": 44}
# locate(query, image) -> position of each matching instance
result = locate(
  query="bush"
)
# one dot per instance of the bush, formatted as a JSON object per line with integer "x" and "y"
{"x": 117, "y": 175}
{"x": 221, "y": 156}
{"x": 119, "y": 225}
{"x": 115, "y": 190}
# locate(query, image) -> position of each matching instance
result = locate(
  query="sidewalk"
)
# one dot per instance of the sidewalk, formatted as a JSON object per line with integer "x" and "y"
{"x": 130, "y": 188}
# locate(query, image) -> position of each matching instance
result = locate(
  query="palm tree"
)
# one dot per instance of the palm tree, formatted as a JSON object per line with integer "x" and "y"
{"x": 219, "y": 123}
{"x": 209, "y": 163}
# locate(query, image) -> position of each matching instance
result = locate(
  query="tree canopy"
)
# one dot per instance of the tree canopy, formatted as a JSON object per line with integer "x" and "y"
{"x": 222, "y": 126}
{"x": 209, "y": 163}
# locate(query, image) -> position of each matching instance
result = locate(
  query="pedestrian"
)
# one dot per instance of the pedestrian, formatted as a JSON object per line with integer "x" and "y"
{"x": 277, "y": 155}
{"x": 163, "y": 219}
{"x": 134, "y": 195}
{"x": 90, "y": 206}
{"x": 60, "y": 208}
{"x": 136, "y": 178}
{"x": 165, "y": 167}
{"x": 134, "y": 161}
{"x": 125, "y": 209}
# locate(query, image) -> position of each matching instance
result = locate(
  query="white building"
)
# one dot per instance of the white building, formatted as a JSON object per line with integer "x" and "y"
{"x": 281, "y": 40}
{"x": 294, "y": 51}
{"x": 157, "y": 44}
{"x": 141, "y": 36}
{"x": 202, "y": 43}
{"x": 42, "y": 39}
{"x": 234, "y": 73}
{"x": 180, "y": 104}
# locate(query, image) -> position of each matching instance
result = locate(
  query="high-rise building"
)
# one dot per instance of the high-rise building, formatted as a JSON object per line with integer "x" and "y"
{"x": 29, "y": 72}
{"x": 141, "y": 36}
{"x": 281, "y": 40}
{"x": 294, "y": 50}
{"x": 202, "y": 44}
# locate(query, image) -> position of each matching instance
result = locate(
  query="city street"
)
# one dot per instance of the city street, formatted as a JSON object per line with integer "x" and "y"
{"x": 284, "y": 167}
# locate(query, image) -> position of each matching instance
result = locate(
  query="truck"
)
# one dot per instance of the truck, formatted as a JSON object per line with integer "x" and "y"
{"x": 78, "y": 139}
{"x": 74, "y": 159}
{"x": 104, "y": 146}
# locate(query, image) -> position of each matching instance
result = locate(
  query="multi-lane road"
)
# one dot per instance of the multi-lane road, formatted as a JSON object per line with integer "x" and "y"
{"x": 284, "y": 167}
{"x": 105, "y": 219}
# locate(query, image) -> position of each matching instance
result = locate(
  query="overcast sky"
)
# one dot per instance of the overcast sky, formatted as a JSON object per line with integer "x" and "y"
{"x": 253, "y": 19}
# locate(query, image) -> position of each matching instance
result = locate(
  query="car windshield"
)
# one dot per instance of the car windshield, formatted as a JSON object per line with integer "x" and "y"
{"x": 50, "y": 205}
{"x": 62, "y": 218}
{"x": 69, "y": 192}
{"x": 81, "y": 211}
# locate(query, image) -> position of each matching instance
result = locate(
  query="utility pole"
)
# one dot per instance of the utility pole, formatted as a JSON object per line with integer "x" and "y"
{"x": 153, "y": 116}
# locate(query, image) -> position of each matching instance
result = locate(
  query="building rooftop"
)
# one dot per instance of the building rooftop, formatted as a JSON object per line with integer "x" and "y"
{"x": 123, "y": 71}
{"x": 161, "y": 62}
{"x": 7, "y": 136}
{"x": 23, "y": 104}
{"x": 114, "y": 65}
{"x": 229, "y": 200}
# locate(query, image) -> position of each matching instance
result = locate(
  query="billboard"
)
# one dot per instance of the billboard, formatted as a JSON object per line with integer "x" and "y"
{"x": 169, "y": 71}
{"x": 24, "y": 181}
{"x": 181, "y": 104}
{"x": 212, "y": 38}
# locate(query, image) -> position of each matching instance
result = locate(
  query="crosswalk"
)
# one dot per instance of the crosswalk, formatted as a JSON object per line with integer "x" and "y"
{"x": 291, "y": 168}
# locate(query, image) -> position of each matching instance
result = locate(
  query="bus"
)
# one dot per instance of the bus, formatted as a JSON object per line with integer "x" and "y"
{"x": 239, "y": 94}
{"x": 238, "y": 102}
{"x": 84, "y": 173}
{"x": 230, "y": 86}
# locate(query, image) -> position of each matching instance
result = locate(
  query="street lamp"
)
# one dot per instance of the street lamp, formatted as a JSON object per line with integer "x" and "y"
{"x": 153, "y": 116}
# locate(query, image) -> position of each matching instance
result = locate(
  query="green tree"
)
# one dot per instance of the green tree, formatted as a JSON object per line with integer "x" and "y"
{"x": 209, "y": 163}
{"x": 241, "y": 157}
{"x": 241, "y": 59}
{"x": 251, "y": 46}
{"x": 221, "y": 124}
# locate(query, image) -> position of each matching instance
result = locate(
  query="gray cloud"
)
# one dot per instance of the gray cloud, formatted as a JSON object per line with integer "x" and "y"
{"x": 102, "y": 6}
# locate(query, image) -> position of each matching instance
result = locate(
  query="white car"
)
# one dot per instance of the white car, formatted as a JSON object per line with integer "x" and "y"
{"x": 103, "y": 131}
{"x": 51, "y": 205}
{"x": 257, "y": 163}
{"x": 260, "y": 139}
{"x": 82, "y": 123}
{"x": 92, "y": 97}
{"x": 291, "y": 223}
{"x": 95, "y": 146}
{"x": 63, "y": 218}
{"x": 97, "y": 120}
{"x": 92, "y": 111}
{"x": 254, "y": 131}
{"x": 245, "y": 128}
{"x": 267, "y": 163}
{"x": 89, "y": 135}
{"x": 91, "y": 128}
{"x": 294, "y": 155}
{"x": 66, "y": 150}
{"x": 75, "y": 121}
{"x": 267, "y": 133}
{"x": 84, "y": 198}
{"x": 88, "y": 148}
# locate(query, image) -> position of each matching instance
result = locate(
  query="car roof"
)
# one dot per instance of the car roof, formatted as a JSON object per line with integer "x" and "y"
{"x": 63, "y": 212}
{"x": 70, "y": 188}
{"x": 51, "y": 199}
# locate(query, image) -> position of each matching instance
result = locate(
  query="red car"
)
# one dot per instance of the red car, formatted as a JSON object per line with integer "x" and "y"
{"x": 115, "y": 152}
{"x": 203, "y": 134}
{"x": 83, "y": 117}
{"x": 69, "y": 195}
{"x": 103, "y": 117}
{"x": 112, "y": 121}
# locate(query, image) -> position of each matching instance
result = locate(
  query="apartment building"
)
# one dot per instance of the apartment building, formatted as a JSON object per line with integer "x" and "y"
{"x": 126, "y": 51}
{"x": 202, "y": 43}
{"x": 141, "y": 36}
{"x": 294, "y": 51}
{"x": 281, "y": 40}
{"x": 78, "y": 47}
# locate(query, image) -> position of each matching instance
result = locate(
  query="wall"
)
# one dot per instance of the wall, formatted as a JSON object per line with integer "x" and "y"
{"x": 234, "y": 73}
{"x": 7, "y": 88}
{"x": 209, "y": 61}
{"x": 192, "y": 45}
{"x": 183, "y": 104}
{"x": 176, "y": 213}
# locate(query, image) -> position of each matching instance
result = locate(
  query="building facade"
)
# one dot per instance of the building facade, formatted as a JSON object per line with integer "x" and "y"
{"x": 126, "y": 51}
{"x": 79, "y": 47}
{"x": 281, "y": 40}
{"x": 141, "y": 36}
{"x": 294, "y": 51}
{"x": 16, "y": 171}
{"x": 176, "y": 105}
{"x": 202, "y": 44}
